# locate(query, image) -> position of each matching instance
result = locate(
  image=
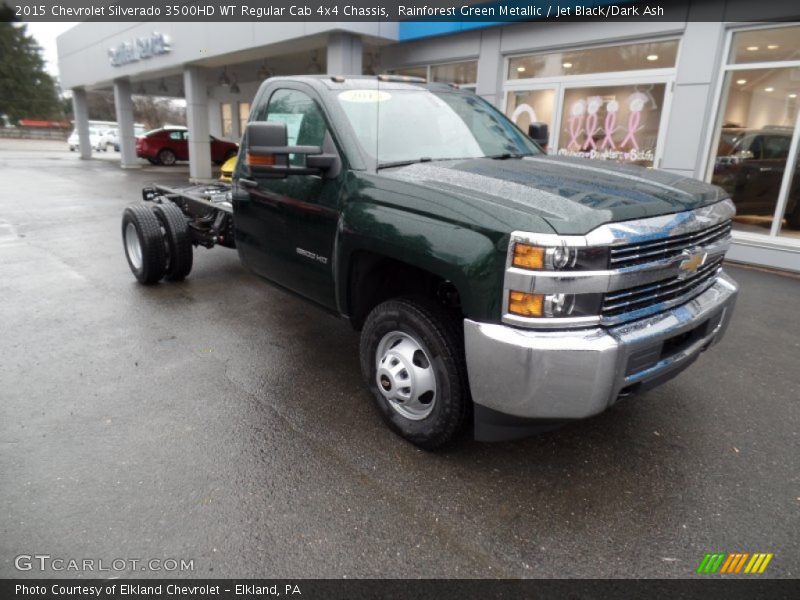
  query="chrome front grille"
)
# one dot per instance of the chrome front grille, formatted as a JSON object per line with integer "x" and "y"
{"x": 654, "y": 264}
{"x": 629, "y": 255}
{"x": 653, "y": 295}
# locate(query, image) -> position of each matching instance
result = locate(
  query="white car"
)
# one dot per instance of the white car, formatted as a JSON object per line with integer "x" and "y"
{"x": 94, "y": 139}
{"x": 110, "y": 137}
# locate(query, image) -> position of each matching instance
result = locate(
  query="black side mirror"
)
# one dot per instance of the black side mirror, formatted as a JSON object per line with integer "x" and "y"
{"x": 267, "y": 153}
{"x": 539, "y": 133}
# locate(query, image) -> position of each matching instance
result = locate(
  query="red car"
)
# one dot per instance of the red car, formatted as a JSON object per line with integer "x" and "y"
{"x": 168, "y": 145}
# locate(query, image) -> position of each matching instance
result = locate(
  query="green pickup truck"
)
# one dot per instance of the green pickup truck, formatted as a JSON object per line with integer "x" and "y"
{"x": 494, "y": 286}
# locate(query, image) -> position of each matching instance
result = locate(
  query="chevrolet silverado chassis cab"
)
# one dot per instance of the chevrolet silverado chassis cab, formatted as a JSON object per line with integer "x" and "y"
{"x": 493, "y": 285}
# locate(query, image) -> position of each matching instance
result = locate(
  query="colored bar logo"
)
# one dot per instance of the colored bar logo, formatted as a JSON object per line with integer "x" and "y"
{"x": 734, "y": 563}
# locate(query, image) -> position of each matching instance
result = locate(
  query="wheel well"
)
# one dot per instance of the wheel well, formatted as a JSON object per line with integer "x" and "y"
{"x": 375, "y": 279}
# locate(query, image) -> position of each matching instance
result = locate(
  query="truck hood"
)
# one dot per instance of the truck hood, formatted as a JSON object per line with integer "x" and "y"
{"x": 572, "y": 195}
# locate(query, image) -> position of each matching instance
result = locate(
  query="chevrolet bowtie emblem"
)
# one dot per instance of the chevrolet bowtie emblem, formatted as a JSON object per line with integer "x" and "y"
{"x": 692, "y": 262}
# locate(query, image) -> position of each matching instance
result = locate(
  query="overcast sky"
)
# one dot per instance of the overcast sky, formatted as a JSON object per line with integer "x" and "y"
{"x": 46, "y": 34}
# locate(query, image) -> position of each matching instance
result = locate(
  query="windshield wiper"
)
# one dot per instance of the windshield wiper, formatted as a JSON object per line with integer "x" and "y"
{"x": 403, "y": 163}
{"x": 505, "y": 155}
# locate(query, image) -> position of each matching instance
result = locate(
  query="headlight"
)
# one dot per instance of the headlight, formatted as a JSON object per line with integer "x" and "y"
{"x": 525, "y": 304}
{"x": 559, "y": 258}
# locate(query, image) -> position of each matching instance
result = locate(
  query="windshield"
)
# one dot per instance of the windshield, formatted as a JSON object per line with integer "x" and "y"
{"x": 396, "y": 126}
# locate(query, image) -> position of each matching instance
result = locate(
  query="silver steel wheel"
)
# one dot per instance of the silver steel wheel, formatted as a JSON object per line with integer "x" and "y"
{"x": 132, "y": 246}
{"x": 405, "y": 375}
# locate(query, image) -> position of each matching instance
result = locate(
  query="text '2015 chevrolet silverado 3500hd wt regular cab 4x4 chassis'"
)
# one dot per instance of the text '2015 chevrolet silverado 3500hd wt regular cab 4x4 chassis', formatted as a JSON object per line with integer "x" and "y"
{"x": 491, "y": 283}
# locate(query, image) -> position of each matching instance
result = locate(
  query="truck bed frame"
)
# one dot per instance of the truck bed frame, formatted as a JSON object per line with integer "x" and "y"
{"x": 208, "y": 209}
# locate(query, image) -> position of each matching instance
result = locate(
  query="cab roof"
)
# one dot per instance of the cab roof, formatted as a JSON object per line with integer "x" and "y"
{"x": 362, "y": 82}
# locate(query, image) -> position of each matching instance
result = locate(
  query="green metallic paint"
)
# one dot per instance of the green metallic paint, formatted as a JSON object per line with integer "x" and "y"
{"x": 450, "y": 218}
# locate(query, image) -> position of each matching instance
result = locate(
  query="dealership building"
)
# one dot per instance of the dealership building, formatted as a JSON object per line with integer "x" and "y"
{"x": 715, "y": 100}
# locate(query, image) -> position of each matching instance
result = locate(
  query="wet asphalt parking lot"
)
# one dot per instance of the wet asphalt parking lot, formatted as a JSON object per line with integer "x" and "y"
{"x": 224, "y": 421}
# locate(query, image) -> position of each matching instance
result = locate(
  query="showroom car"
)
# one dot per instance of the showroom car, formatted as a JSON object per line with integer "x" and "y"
{"x": 751, "y": 171}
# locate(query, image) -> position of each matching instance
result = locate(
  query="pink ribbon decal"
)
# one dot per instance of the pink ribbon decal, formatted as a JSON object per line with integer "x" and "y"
{"x": 591, "y": 129}
{"x": 611, "y": 125}
{"x": 575, "y": 123}
{"x": 633, "y": 125}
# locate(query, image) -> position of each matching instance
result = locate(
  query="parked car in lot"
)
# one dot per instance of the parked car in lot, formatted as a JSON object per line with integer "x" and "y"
{"x": 109, "y": 137}
{"x": 227, "y": 169}
{"x": 138, "y": 131}
{"x": 168, "y": 145}
{"x": 750, "y": 168}
{"x": 95, "y": 139}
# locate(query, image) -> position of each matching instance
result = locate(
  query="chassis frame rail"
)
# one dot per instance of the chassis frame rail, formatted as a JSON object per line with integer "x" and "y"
{"x": 207, "y": 207}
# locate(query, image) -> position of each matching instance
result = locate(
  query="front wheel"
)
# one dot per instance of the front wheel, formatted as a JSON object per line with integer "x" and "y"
{"x": 412, "y": 357}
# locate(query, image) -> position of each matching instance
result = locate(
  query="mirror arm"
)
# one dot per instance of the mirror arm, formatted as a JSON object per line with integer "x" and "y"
{"x": 261, "y": 150}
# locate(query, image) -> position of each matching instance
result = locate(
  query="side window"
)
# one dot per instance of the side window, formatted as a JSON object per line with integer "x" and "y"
{"x": 777, "y": 147}
{"x": 305, "y": 124}
{"x": 176, "y": 135}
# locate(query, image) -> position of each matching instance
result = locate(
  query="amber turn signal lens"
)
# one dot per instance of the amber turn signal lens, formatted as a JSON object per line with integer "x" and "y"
{"x": 528, "y": 257}
{"x": 525, "y": 305}
{"x": 264, "y": 160}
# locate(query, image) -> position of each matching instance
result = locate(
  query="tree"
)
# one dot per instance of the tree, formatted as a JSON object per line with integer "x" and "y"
{"x": 155, "y": 111}
{"x": 101, "y": 105}
{"x": 26, "y": 89}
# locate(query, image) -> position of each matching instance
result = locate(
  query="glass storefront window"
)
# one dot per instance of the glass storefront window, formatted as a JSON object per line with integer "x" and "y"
{"x": 790, "y": 225}
{"x": 463, "y": 73}
{"x": 244, "y": 114}
{"x": 612, "y": 123}
{"x": 412, "y": 72}
{"x": 765, "y": 45}
{"x": 628, "y": 57}
{"x": 527, "y": 107}
{"x": 226, "y": 119}
{"x": 754, "y": 139}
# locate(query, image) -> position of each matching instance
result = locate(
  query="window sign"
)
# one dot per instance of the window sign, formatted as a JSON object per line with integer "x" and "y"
{"x": 612, "y": 123}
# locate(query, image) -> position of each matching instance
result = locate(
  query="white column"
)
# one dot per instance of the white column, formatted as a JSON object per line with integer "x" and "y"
{"x": 490, "y": 67}
{"x": 345, "y": 52}
{"x": 194, "y": 82}
{"x": 692, "y": 110}
{"x": 124, "y": 107}
{"x": 81, "y": 111}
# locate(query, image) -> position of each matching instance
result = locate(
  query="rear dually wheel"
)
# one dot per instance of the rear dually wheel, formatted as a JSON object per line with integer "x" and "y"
{"x": 144, "y": 243}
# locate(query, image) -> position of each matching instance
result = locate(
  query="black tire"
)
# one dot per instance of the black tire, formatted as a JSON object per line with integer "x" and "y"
{"x": 167, "y": 157}
{"x": 440, "y": 336}
{"x": 179, "y": 243}
{"x": 139, "y": 221}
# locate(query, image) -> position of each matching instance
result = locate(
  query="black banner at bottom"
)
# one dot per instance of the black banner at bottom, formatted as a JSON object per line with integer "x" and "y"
{"x": 344, "y": 589}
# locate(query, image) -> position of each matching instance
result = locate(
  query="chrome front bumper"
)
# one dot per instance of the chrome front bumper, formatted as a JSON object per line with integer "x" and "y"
{"x": 571, "y": 374}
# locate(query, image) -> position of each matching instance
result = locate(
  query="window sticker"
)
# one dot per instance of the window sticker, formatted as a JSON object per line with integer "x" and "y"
{"x": 364, "y": 96}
